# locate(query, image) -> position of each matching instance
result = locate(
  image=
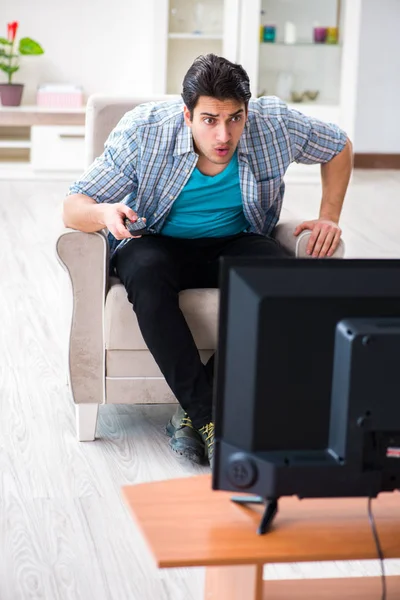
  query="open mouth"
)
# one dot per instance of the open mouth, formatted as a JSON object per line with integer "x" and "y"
{"x": 222, "y": 151}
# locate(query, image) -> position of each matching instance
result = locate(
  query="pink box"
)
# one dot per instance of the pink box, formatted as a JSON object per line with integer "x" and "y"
{"x": 59, "y": 99}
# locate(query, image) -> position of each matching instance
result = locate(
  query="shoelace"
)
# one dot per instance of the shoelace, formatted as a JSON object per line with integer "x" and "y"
{"x": 187, "y": 421}
{"x": 208, "y": 431}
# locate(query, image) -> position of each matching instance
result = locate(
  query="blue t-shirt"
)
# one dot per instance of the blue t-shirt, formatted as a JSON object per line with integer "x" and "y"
{"x": 208, "y": 206}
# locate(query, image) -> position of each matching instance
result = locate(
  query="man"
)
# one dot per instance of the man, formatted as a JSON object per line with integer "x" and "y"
{"x": 207, "y": 175}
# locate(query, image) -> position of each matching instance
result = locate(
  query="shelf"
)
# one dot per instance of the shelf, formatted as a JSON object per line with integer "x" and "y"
{"x": 195, "y": 36}
{"x": 15, "y": 144}
{"x": 298, "y": 44}
{"x": 28, "y": 115}
{"x": 42, "y": 109}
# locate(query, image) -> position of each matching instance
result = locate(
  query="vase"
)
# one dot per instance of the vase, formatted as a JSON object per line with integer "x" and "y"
{"x": 320, "y": 35}
{"x": 11, "y": 94}
{"x": 332, "y": 34}
{"x": 269, "y": 33}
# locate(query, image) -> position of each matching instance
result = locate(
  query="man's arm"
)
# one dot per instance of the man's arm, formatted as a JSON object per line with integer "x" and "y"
{"x": 312, "y": 142}
{"x": 335, "y": 175}
{"x": 93, "y": 202}
{"x": 85, "y": 214}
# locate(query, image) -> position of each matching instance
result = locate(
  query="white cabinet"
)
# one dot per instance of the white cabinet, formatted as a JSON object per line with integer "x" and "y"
{"x": 57, "y": 147}
{"x": 42, "y": 139}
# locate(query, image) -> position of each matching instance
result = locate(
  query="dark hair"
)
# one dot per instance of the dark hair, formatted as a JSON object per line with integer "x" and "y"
{"x": 214, "y": 76}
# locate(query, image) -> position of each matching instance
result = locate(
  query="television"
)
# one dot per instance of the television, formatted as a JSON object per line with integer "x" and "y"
{"x": 307, "y": 390}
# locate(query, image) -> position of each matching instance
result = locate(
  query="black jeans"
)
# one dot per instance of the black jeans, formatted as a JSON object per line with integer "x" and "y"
{"x": 154, "y": 269}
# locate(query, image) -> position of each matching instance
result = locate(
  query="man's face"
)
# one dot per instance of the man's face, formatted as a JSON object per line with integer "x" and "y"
{"x": 216, "y": 127}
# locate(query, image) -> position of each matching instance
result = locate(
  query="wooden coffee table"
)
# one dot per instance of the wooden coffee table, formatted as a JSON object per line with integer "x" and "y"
{"x": 187, "y": 524}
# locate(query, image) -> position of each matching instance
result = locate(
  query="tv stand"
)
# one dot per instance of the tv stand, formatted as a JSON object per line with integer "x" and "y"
{"x": 187, "y": 524}
{"x": 271, "y": 509}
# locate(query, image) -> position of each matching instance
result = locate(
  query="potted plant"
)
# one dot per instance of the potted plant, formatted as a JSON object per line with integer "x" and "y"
{"x": 11, "y": 93}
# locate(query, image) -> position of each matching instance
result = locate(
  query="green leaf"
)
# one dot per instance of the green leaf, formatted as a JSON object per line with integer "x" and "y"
{"x": 28, "y": 46}
{"x": 4, "y": 41}
{"x": 7, "y": 69}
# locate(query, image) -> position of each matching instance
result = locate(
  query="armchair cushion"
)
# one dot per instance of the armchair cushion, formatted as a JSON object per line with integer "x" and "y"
{"x": 199, "y": 306}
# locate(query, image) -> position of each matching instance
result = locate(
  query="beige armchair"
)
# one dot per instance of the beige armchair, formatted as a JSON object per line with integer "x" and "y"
{"x": 108, "y": 359}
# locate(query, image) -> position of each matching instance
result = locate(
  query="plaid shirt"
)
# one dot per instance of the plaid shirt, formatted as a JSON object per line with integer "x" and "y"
{"x": 149, "y": 157}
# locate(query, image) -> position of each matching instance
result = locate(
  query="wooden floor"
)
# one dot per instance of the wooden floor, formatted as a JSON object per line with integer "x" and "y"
{"x": 64, "y": 530}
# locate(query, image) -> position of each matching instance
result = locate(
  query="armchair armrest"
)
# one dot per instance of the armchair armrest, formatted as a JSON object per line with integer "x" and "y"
{"x": 298, "y": 245}
{"x": 85, "y": 256}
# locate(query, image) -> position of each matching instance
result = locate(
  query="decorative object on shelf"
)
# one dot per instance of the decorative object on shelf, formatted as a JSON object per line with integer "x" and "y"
{"x": 269, "y": 33}
{"x": 11, "y": 93}
{"x": 320, "y": 34}
{"x": 296, "y": 97}
{"x": 311, "y": 94}
{"x": 199, "y": 18}
{"x": 59, "y": 95}
{"x": 304, "y": 96}
{"x": 290, "y": 33}
{"x": 332, "y": 34}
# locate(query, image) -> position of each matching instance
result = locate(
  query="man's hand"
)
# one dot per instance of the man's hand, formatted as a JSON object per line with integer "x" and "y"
{"x": 324, "y": 238}
{"x": 113, "y": 217}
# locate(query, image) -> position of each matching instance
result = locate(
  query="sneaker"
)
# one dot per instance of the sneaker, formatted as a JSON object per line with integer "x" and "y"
{"x": 207, "y": 435}
{"x": 185, "y": 440}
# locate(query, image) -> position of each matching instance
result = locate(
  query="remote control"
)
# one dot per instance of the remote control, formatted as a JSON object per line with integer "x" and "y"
{"x": 136, "y": 227}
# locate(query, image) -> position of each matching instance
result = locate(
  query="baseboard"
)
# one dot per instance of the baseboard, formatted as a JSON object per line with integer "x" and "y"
{"x": 376, "y": 161}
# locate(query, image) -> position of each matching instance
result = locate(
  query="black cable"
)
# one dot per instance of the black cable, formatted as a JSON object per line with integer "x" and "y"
{"x": 378, "y": 547}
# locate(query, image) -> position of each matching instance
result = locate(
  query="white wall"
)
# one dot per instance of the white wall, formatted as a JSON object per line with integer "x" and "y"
{"x": 100, "y": 44}
{"x": 377, "y": 127}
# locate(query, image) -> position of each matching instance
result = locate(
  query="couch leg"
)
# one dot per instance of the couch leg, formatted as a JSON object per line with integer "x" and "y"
{"x": 86, "y": 421}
